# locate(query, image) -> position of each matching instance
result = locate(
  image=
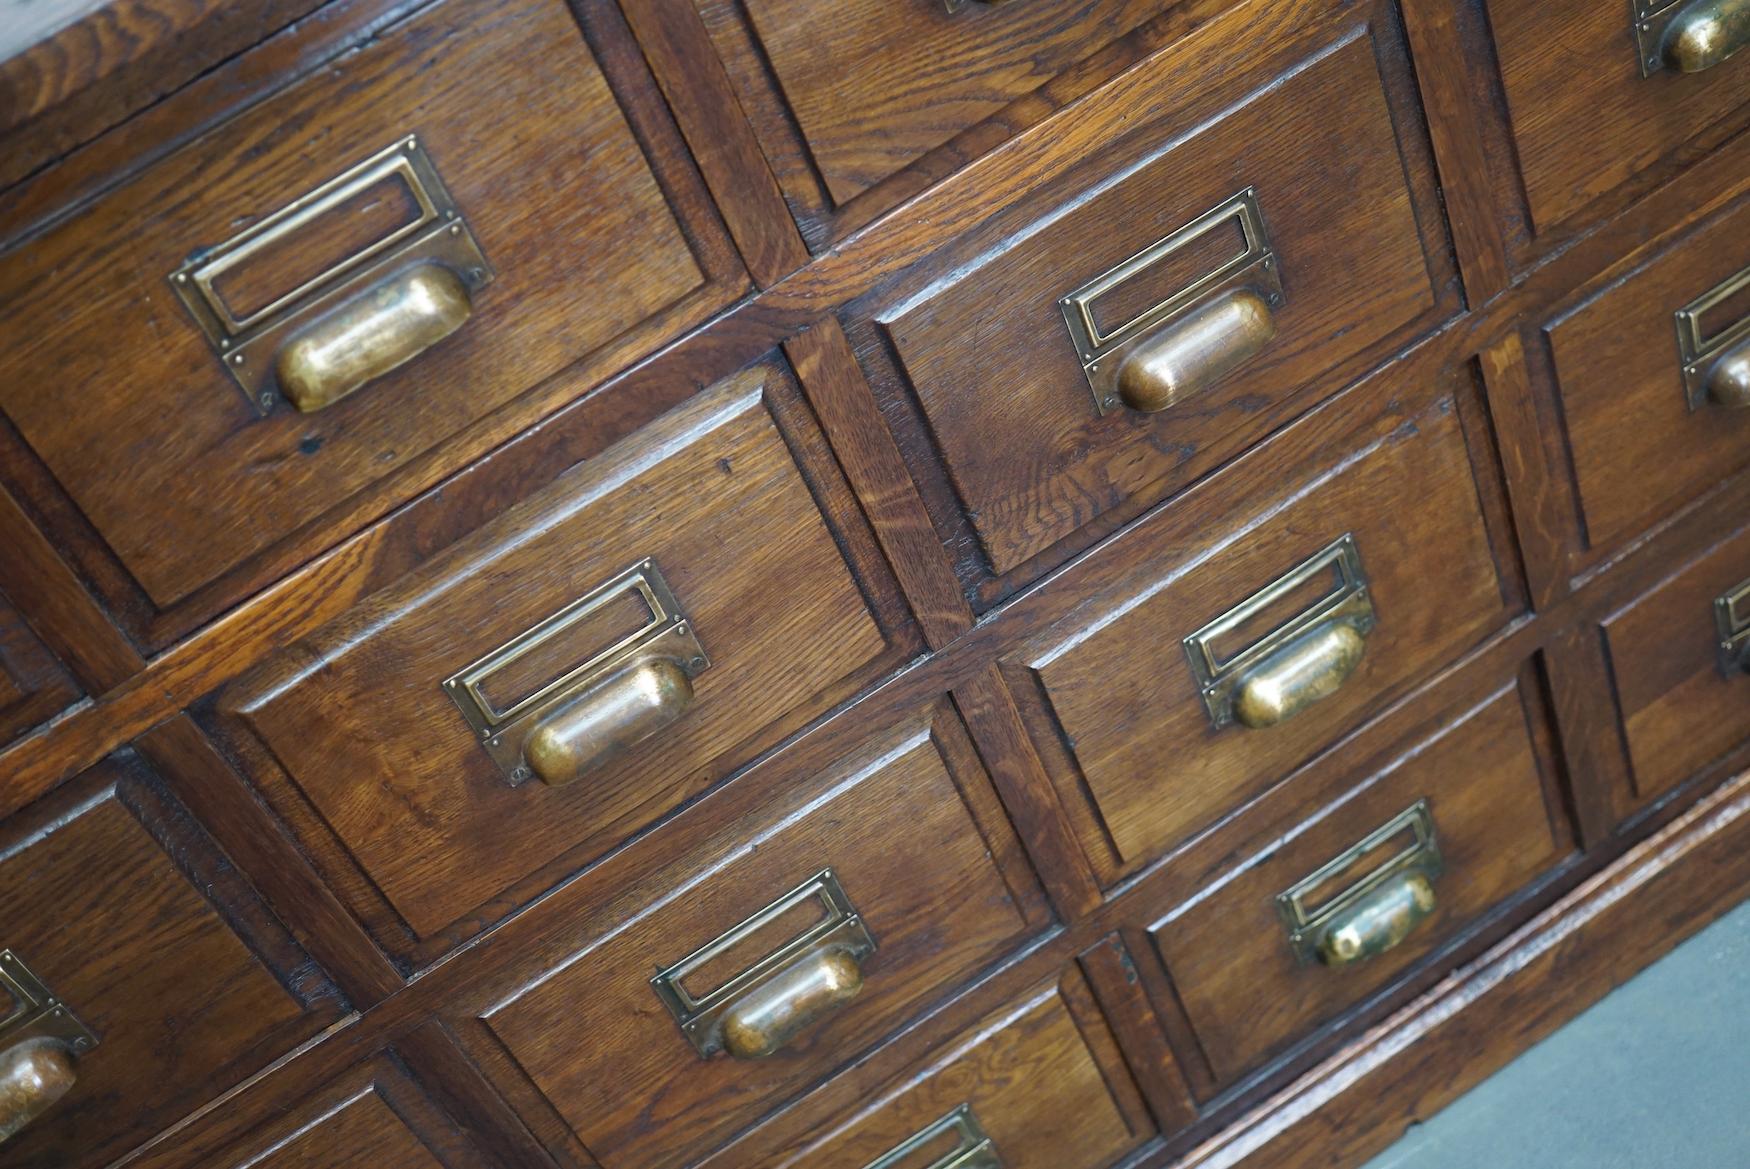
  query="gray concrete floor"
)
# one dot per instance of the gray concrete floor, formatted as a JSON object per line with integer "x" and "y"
{"x": 1655, "y": 1076}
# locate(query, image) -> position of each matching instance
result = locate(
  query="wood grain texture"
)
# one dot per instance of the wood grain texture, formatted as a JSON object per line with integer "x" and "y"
{"x": 33, "y": 685}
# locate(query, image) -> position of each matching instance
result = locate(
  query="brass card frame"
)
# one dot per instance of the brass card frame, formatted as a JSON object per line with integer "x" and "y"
{"x": 1732, "y": 621}
{"x": 974, "y": 1151}
{"x": 1218, "y": 678}
{"x": 246, "y": 345}
{"x": 35, "y": 1011}
{"x": 668, "y": 634}
{"x": 1423, "y": 855}
{"x": 1696, "y": 351}
{"x": 1650, "y": 21}
{"x": 701, "y": 1017}
{"x": 1102, "y": 353}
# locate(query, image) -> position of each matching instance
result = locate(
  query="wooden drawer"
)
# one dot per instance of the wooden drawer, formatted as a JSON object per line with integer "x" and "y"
{"x": 1023, "y": 1089}
{"x": 1159, "y": 254}
{"x": 1584, "y": 118}
{"x": 341, "y": 225}
{"x": 1679, "y": 666}
{"x": 682, "y": 598}
{"x": 178, "y": 983}
{"x": 1355, "y": 541}
{"x": 864, "y": 890}
{"x": 1642, "y": 441}
{"x": 33, "y": 685}
{"x": 1326, "y": 911}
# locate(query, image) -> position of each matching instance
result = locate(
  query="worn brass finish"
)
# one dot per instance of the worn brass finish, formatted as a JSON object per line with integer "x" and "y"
{"x": 1690, "y": 35}
{"x": 1303, "y": 659}
{"x": 612, "y": 700}
{"x": 362, "y": 316}
{"x": 972, "y": 1148}
{"x": 1732, "y": 622}
{"x": 39, "y": 1040}
{"x": 765, "y": 1006}
{"x": 1716, "y": 363}
{"x": 1196, "y": 350}
{"x": 1378, "y": 911}
{"x": 1186, "y": 343}
{"x": 371, "y": 335}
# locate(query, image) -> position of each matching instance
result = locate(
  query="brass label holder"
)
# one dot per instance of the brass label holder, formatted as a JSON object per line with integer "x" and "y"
{"x": 1422, "y": 855}
{"x": 246, "y": 344}
{"x": 1219, "y": 677}
{"x": 972, "y": 1149}
{"x": 1732, "y": 621}
{"x": 700, "y": 1016}
{"x": 35, "y": 1011}
{"x": 667, "y": 633}
{"x": 1102, "y": 352}
{"x": 1697, "y": 349}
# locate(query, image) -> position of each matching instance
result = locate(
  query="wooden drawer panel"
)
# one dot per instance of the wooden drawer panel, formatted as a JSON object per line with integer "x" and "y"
{"x": 996, "y": 372}
{"x": 1117, "y": 707}
{"x": 360, "y": 722}
{"x": 1025, "y": 1079}
{"x": 167, "y": 456}
{"x": 1584, "y": 120}
{"x": 110, "y": 896}
{"x": 33, "y": 685}
{"x": 1478, "y": 780}
{"x": 1681, "y": 692}
{"x": 897, "y": 830}
{"x": 1639, "y": 449}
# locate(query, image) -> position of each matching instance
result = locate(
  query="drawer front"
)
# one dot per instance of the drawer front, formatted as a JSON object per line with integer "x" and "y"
{"x": 874, "y": 86}
{"x": 811, "y": 937}
{"x": 1217, "y": 279}
{"x": 33, "y": 685}
{"x": 1678, "y": 653}
{"x": 1644, "y": 436}
{"x": 1333, "y": 908}
{"x": 1253, "y": 634}
{"x": 171, "y": 983}
{"x": 593, "y": 658}
{"x": 430, "y": 199}
{"x": 1022, "y": 1090}
{"x": 1584, "y": 117}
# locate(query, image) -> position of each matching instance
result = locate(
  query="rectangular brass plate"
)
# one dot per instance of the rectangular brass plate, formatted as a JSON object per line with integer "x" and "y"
{"x": 1732, "y": 621}
{"x": 1651, "y": 19}
{"x": 247, "y": 345}
{"x": 1101, "y": 352}
{"x": 972, "y": 1149}
{"x": 1218, "y": 677}
{"x": 1696, "y": 347}
{"x": 35, "y": 1013}
{"x": 666, "y": 634}
{"x": 699, "y": 1016}
{"x": 1422, "y": 853}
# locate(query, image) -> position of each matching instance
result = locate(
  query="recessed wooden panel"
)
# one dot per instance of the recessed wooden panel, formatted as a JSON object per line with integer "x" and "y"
{"x": 995, "y": 372}
{"x": 913, "y": 860}
{"x": 356, "y": 721}
{"x": 126, "y": 911}
{"x": 1584, "y": 119}
{"x": 1638, "y": 450}
{"x": 1116, "y": 699}
{"x": 1228, "y": 951}
{"x": 33, "y": 685}
{"x": 1681, "y": 707}
{"x": 164, "y": 455}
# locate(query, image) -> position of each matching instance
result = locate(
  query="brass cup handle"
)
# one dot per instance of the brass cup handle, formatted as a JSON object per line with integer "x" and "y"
{"x": 1308, "y": 669}
{"x": 1704, "y": 33}
{"x": 1728, "y": 378}
{"x": 1195, "y": 351}
{"x": 768, "y": 1017}
{"x": 371, "y": 334}
{"x": 1379, "y": 920}
{"x": 33, "y": 1075}
{"x": 610, "y": 717}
